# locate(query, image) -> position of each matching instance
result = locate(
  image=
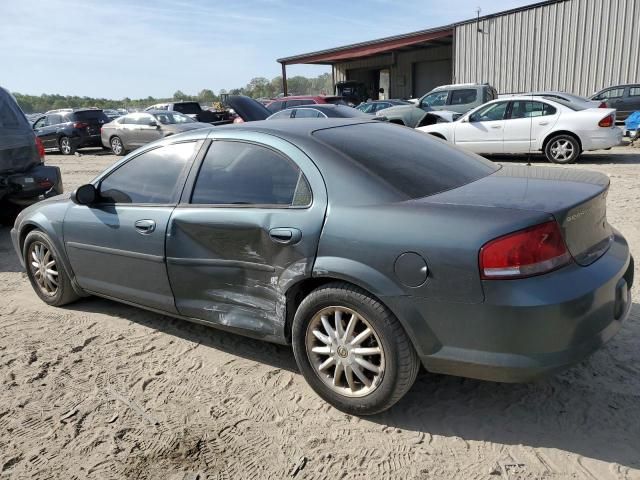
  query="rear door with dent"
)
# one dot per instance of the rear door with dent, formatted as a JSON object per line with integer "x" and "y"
{"x": 246, "y": 229}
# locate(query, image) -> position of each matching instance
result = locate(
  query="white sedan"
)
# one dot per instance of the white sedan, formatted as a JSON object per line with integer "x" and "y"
{"x": 521, "y": 124}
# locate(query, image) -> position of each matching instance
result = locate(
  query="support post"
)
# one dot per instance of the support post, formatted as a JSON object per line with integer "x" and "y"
{"x": 284, "y": 79}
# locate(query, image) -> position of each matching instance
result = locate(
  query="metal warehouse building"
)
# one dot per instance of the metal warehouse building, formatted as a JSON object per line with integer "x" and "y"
{"x": 577, "y": 46}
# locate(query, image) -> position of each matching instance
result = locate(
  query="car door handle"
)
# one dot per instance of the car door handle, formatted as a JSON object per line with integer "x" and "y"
{"x": 496, "y": 126}
{"x": 285, "y": 236}
{"x": 145, "y": 227}
{"x": 543, "y": 123}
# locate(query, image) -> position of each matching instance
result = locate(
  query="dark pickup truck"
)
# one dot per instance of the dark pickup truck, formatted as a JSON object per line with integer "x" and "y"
{"x": 24, "y": 178}
{"x": 195, "y": 111}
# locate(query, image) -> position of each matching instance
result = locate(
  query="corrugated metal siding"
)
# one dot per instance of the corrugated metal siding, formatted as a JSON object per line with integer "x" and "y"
{"x": 577, "y": 46}
{"x": 400, "y": 81}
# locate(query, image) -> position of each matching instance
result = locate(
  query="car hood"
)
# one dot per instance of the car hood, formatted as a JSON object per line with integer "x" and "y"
{"x": 248, "y": 109}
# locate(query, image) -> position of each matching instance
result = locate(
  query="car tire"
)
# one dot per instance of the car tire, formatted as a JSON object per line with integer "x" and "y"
{"x": 117, "y": 147}
{"x": 66, "y": 146}
{"x": 322, "y": 356}
{"x": 562, "y": 149}
{"x": 41, "y": 260}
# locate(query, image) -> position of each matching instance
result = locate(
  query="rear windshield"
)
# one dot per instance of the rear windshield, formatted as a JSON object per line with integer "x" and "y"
{"x": 572, "y": 105}
{"x": 89, "y": 115}
{"x": 189, "y": 108}
{"x": 411, "y": 163}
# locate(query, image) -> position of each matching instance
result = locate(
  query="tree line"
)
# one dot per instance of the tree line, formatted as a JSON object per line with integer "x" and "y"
{"x": 258, "y": 87}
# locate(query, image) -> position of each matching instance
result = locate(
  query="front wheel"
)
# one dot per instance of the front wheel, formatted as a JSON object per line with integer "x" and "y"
{"x": 117, "y": 147}
{"x": 562, "y": 149}
{"x": 66, "y": 147}
{"x": 46, "y": 274}
{"x": 352, "y": 350}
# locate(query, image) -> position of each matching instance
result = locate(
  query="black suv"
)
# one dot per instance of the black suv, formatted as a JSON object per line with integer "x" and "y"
{"x": 624, "y": 98}
{"x": 67, "y": 131}
{"x": 24, "y": 179}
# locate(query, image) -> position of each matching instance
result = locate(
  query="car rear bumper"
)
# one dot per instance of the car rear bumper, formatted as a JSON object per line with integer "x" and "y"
{"x": 602, "y": 138}
{"x": 86, "y": 140}
{"x": 526, "y": 328}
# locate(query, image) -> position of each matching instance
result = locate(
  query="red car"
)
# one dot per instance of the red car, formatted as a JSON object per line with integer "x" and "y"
{"x": 295, "y": 101}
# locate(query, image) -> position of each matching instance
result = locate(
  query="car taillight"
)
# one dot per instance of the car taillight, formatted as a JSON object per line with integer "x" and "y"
{"x": 532, "y": 251}
{"x": 46, "y": 183}
{"x": 606, "y": 121}
{"x": 40, "y": 148}
{"x": 80, "y": 125}
{"x": 603, "y": 105}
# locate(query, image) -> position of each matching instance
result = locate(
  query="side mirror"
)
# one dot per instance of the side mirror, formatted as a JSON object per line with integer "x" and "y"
{"x": 85, "y": 195}
{"x": 153, "y": 123}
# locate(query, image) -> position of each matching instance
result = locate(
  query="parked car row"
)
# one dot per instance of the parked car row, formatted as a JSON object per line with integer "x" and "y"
{"x": 528, "y": 124}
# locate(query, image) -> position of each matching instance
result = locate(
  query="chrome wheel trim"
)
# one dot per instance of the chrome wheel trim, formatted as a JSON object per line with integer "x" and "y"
{"x": 116, "y": 145}
{"x": 561, "y": 149}
{"x": 44, "y": 268}
{"x": 65, "y": 145}
{"x": 345, "y": 351}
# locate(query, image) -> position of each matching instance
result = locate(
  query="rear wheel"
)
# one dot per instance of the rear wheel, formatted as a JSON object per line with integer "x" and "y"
{"x": 66, "y": 148}
{"x": 117, "y": 147}
{"x": 562, "y": 149}
{"x": 46, "y": 274}
{"x": 352, "y": 350}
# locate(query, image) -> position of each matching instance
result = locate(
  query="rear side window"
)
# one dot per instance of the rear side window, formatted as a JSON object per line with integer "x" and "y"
{"x": 238, "y": 173}
{"x": 422, "y": 167}
{"x": 152, "y": 177}
{"x": 462, "y": 97}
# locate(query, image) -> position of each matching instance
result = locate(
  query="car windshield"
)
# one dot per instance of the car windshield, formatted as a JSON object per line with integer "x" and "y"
{"x": 187, "y": 107}
{"x": 172, "y": 118}
{"x": 410, "y": 163}
{"x": 366, "y": 107}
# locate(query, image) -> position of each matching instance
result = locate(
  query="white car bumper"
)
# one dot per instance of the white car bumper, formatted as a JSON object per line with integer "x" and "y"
{"x": 602, "y": 138}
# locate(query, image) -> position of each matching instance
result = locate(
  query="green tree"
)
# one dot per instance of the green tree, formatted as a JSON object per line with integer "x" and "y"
{"x": 206, "y": 96}
{"x": 179, "y": 96}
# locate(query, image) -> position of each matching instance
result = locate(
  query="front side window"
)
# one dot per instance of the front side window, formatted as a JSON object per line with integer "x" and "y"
{"x": 436, "y": 99}
{"x": 528, "y": 109}
{"x": 462, "y": 97}
{"x": 492, "y": 112}
{"x": 238, "y": 173}
{"x": 153, "y": 177}
{"x": 611, "y": 93}
{"x": 42, "y": 122}
{"x": 634, "y": 91}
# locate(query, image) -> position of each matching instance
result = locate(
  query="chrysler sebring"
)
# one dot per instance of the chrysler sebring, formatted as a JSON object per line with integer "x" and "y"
{"x": 373, "y": 249}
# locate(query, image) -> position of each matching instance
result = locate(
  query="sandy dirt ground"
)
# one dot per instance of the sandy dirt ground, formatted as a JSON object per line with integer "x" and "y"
{"x": 100, "y": 390}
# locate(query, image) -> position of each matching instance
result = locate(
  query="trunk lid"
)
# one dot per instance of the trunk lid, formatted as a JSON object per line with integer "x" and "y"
{"x": 575, "y": 198}
{"x": 248, "y": 109}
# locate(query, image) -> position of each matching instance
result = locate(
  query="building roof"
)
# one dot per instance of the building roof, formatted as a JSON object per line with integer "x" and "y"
{"x": 432, "y": 36}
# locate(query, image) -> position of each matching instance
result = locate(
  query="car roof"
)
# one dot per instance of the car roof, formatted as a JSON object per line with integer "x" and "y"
{"x": 305, "y": 97}
{"x": 328, "y": 109}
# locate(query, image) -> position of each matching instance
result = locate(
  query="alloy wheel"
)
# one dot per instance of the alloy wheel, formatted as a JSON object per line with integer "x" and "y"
{"x": 65, "y": 145}
{"x": 345, "y": 351}
{"x": 44, "y": 268}
{"x": 116, "y": 145}
{"x": 562, "y": 150}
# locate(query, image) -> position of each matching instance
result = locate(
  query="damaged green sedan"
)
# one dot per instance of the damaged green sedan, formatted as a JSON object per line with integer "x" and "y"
{"x": 373, "y": 249}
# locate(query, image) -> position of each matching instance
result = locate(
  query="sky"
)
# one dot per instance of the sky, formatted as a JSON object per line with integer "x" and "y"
{"x": 135, "y": 48}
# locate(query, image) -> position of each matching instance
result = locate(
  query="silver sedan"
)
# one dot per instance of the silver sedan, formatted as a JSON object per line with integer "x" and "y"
{"x": 137, "y": 129}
